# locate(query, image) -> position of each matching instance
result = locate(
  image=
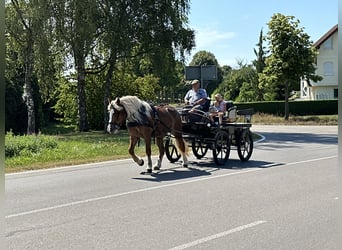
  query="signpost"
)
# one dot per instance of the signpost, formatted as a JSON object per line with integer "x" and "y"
{"x": 203, "y": 73}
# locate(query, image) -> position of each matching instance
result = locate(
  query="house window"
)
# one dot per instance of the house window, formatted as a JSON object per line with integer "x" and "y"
{"x": 328, "y": 44}
{"x": 328, "y": 68}
{"x": 335, "y": 93}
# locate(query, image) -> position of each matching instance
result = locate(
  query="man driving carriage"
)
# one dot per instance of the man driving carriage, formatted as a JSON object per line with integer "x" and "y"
{"x": 197, "y": 97}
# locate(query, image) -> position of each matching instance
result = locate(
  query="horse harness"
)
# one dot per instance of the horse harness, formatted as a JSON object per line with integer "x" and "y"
{"x": 155, "y": 120}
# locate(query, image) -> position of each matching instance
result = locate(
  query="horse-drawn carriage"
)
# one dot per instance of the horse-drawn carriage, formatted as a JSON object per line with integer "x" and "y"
{"x": 202, "y": 134}
{"x": 174, "y": 129}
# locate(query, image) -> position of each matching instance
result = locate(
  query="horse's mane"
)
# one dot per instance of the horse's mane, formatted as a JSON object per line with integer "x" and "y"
{"x": 136, "y": 109}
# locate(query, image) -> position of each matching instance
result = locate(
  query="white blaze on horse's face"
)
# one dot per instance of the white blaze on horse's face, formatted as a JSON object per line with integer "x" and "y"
{"x": 112, "y": 128}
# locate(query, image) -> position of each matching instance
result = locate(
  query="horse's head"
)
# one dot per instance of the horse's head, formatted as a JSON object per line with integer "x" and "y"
{"x": 117, "y": 116}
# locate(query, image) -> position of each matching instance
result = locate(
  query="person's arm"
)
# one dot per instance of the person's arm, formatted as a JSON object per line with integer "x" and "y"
{"x": 186, "y": 98}
{"x": 204, "y": 98}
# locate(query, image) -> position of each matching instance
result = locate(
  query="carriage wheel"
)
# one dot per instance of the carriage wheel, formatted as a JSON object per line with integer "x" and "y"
{"x": 171, "y": 151}
{"x": 199, "y": 149}
{"x": 245, "y": 145}
{"x": 221, "y": 149}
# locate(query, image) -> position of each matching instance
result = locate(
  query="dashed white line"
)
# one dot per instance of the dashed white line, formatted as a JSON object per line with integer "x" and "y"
{"x": 219, "y": 235}
{"x": 126, "y": 193}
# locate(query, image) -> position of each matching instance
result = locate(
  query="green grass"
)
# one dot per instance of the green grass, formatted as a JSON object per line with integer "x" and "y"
{"x": 68, "y": 149}
{"x": 59, "y": 146}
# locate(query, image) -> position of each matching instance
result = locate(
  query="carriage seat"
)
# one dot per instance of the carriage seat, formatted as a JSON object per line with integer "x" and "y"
{"x": 231, "y": 113}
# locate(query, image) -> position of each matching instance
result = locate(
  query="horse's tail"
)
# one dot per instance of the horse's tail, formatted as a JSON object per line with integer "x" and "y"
{"x": 182, "y": 146}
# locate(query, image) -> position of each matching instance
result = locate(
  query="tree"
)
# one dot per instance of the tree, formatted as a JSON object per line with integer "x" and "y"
{"x": 20, "y": 20}
{"x": 238, "y": 84}
{"x": 259, "y": 65}
{"x": 292, "y": 56}
{"x": 28, "y": 54}
{"x": 77, "y": 28}
{"x": 152, "y": 32}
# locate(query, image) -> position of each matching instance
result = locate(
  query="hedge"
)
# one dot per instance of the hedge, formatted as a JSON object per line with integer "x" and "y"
{"x": 319, "y": 107}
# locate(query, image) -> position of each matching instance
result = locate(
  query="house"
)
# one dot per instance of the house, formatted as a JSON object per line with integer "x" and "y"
{"x": 327, "y": 62}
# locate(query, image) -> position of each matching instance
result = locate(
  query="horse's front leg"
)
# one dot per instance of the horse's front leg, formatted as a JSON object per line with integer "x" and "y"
{"x": 132, "y": 142}
{"x": 160, "y": 144}
{"x": 148, "y": 154}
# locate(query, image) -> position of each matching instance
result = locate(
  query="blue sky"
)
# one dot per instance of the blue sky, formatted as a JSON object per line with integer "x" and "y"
{"x": 230, "y": 29}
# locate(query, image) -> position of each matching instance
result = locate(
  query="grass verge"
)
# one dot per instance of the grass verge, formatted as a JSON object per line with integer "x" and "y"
{"x": 69, "y": 149}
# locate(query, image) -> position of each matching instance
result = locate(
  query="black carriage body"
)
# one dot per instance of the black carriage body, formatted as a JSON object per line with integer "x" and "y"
{"x": 202, "y": 134}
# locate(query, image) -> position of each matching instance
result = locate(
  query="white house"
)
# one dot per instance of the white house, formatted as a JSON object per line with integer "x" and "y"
{"x": 327, "y": 59}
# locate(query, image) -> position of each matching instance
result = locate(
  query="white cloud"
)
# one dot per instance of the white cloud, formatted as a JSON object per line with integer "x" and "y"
{"x": 219, "y": 42}
{"x": 211, "y": 37}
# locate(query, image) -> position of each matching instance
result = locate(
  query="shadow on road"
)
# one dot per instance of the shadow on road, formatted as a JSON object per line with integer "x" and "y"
{"x": 206, "y": 166}
{"x": 201, "y": 168}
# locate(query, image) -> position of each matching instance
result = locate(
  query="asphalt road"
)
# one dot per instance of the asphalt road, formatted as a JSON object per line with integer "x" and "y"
{"x": 284, "y": 197}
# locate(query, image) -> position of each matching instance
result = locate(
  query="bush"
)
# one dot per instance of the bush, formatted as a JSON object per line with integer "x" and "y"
{"x": 318, "y": 107}
{"x": 27, "y": 144}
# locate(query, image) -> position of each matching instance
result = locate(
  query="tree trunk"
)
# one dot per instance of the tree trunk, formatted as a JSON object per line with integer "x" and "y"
{"x": 287, "y": 106}
{"x": 28, "y": 91}
{"x": 82, "y": 108}
{"x": 106, "y": 95}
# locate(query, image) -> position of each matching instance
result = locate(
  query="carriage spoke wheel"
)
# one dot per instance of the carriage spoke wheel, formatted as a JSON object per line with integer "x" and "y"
{"x": 171, "y": 151}
{"x": 245, "y": 145}
{"x": 199, "y": 149}
{"x": 221, "y": 148}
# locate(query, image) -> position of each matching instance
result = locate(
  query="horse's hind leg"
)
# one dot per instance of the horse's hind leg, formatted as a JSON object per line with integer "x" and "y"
{"x": 132, "y": 142}
{"x": 183, "y": 148}
{"x": 160, "y": 144}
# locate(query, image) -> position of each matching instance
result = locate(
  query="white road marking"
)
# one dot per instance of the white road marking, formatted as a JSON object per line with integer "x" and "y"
{"x": 152, "y": 188}
{"x": 127, "y": 193}
{"x": 93, "y": 164}
{"x": 219, "y": 235}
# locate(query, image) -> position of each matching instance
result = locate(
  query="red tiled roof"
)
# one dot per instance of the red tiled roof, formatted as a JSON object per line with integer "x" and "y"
{"x": 325, "y": 36}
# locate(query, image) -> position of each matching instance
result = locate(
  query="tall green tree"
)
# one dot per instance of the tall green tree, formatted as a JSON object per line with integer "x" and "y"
{"x": 77, "y": 25}
{"x": 292, "y": 56}
{"x": 153, "y": 32}
{"x": 25, "y": 28}
{"x": 259, "y": 64}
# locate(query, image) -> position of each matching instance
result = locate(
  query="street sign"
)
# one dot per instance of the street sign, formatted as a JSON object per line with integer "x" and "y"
{"x": 192, "y": 72}
{"x": 209, "y": 72}
{"x": 202, "y": 73}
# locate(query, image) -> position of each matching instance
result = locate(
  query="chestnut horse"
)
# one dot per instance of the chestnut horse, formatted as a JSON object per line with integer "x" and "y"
{"x": 146, "y": 121}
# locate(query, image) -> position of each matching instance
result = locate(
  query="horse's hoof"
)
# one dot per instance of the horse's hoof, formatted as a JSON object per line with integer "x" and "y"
{"x": 148, "y": 171}
{"x": 156, "y": 168}
{"x": 185, "y": 165}
{"x": 141, "y": 162}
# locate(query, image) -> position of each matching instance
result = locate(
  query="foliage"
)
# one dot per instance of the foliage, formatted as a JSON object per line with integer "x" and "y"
{"x": 66, "y": 105}
{"x": 318, "y": 107}
{"x": 292, "y": 56}
{"x": 239, "y": 84}
{"x": 128, "y": 80}
{"x": 26, "y": 40}
{"x": 259, "y": 63}
{"x": 28, "y": 145}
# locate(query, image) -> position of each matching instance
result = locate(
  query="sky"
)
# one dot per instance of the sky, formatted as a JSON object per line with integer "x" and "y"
{"x": 230, "y": 29}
